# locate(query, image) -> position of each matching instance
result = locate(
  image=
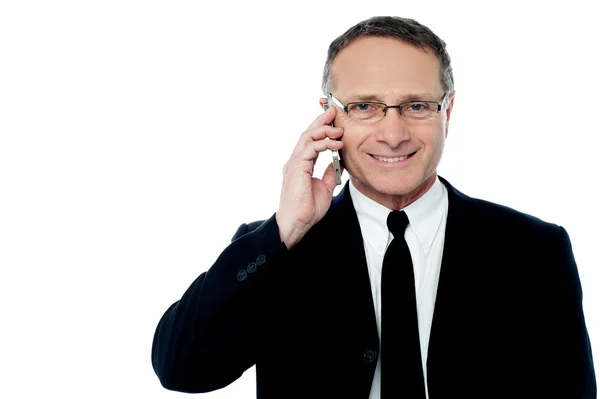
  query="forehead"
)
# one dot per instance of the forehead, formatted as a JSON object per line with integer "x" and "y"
{"x": 386, "y": 66}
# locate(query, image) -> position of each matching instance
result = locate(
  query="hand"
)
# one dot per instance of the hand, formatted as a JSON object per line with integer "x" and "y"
{"x": 305, "y": 199}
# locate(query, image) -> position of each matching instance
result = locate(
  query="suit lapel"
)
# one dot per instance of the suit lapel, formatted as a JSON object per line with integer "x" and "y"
{"x": 351, "y": 262}
{"x": 452, "y": 282}
{"x": 347, "y": 241}
{"x": 342, "y": 226}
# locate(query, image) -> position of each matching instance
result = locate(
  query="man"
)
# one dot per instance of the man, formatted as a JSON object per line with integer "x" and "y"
{"x": 492, "y": 297}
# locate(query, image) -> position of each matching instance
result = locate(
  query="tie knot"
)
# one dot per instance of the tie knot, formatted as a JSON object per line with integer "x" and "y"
{"x": 397, "y": 222}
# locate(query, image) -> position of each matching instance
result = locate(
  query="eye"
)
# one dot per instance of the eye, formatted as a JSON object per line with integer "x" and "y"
{"x": 417, "y": 108}
{"x": 364, "y": 108}
{"x": 365, "y": 111}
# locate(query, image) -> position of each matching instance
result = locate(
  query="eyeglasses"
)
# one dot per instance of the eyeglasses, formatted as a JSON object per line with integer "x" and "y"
{"x": 375, "y": 111}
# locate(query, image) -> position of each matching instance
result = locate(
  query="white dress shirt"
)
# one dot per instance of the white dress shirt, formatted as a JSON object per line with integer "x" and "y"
{"x": 425, "y": 238}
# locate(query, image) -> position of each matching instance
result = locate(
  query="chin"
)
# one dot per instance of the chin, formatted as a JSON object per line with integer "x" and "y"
{"x": 393, "y": 187}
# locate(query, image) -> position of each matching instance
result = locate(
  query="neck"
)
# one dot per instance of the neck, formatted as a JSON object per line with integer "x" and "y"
{"x": 395, "y": 202}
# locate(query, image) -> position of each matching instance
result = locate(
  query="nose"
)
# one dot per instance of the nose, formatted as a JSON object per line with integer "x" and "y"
{"x": 393, "y": 128}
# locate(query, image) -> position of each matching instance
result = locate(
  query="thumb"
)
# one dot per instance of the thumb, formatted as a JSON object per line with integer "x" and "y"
{"x": 329, "y": 177}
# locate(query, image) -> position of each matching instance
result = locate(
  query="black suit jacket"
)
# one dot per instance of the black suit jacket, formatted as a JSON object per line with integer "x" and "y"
{"x": 508, "y": 319}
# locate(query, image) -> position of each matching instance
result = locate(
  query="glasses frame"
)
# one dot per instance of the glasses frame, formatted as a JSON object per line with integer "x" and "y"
{"x": 399, "y": 106}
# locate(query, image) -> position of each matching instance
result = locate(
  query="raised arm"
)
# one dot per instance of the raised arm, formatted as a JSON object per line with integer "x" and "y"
{"x": 207, "y": 339}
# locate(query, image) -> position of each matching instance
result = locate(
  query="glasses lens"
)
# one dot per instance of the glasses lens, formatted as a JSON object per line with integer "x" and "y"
{"x": 419, "y": 110}
{"x": 366, "y": 111}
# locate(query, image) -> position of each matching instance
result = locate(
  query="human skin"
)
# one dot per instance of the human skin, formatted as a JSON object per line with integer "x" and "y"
{"x": 390, "y": 71}
{"x": 369, "y": 69}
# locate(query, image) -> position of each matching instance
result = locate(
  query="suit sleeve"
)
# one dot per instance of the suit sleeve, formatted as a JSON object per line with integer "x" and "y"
{"x": 208, "y": 338}
{"x": 572, "y": 372}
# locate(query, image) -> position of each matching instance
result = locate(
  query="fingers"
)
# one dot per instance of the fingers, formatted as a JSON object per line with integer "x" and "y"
{"x": 305, "y": 161}
{"x": 325, "y": 118}
{"x": 329, "y": 177}
{"x": 312, "y": 150}
{"x": 321, "y": 132}
{"x": 318, "y": 138}
{"x": 317, "y": 134}
{"x": 318, "y": 130}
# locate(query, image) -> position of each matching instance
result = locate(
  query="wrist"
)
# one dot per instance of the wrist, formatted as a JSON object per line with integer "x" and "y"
{"x": 288, "y": 234}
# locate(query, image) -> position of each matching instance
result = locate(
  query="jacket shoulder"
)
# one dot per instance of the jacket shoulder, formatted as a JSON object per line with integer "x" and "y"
{"x": 496, "y": 214}
{"x": 246, "y": 228}
{"x": 489, "y": 215}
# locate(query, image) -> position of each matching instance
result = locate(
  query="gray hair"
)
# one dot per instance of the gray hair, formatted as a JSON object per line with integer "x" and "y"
{"x": 404, "y": 29}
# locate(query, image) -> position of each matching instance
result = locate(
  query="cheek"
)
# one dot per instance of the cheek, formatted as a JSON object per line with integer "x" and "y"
{"x": 433, "y": 141}
{"x": 351, "y": 152}
{"x": 353, "y": 138}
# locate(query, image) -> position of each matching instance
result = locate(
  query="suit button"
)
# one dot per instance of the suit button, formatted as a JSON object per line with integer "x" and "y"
{"x": 251, "y": 267}
{"x": 370, "y": 355}
{"x": 261, "y": 259}
{"x": 241, "y": 276}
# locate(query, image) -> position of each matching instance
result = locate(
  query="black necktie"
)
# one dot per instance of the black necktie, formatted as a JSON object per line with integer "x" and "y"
{"x": 401, "y": 366}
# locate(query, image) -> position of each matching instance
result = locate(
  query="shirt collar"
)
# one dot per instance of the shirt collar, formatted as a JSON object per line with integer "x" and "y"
{"x": 424, "y": 215}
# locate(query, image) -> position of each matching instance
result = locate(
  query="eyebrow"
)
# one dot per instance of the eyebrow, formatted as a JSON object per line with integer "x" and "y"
{"x": 403, "y": 99}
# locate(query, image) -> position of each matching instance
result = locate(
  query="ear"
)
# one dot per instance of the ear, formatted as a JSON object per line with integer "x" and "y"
{"x": 323, "y": 102}
{"x": 448, "y": 110}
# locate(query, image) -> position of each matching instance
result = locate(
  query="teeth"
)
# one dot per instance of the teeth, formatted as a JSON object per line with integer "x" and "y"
{"x": 390, "y": 159}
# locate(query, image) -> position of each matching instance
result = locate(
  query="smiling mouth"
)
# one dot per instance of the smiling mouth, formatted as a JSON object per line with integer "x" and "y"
{"x": 394, "y": 159}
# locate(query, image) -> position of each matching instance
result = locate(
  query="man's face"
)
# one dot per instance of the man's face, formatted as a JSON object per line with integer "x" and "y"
{"x": 390, "y": 71}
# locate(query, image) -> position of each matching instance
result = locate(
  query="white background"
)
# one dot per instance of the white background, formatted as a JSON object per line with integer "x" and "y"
{"x": 136, "y": 136}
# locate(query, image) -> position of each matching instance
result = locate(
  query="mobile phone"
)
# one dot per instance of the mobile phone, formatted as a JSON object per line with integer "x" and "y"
{"x": 336, "y": 159}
